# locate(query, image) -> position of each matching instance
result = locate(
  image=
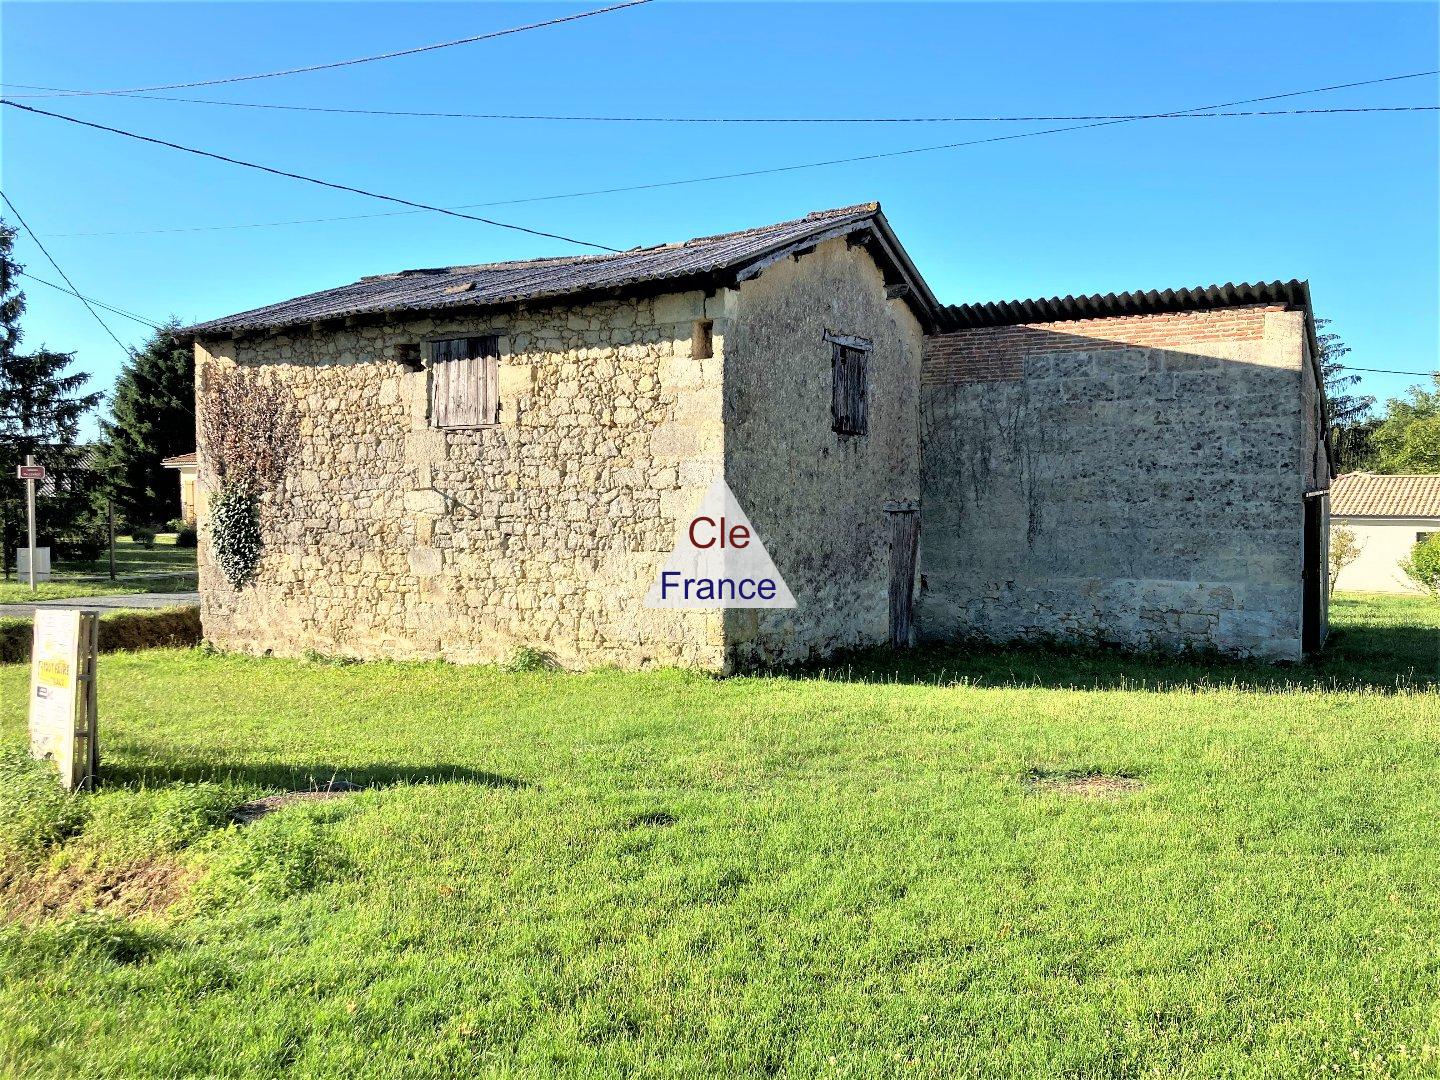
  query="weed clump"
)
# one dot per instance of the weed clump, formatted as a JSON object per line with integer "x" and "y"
{"x": 527, "y": 659}
{"x": 36, "y": 814}
{"x": 279, "y": 856}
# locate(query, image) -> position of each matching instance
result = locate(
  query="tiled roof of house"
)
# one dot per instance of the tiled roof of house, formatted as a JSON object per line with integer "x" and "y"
{"x": 178, "y": 460}
{"x": 1375, "y": 495}
{"x": 729, "y": 257}
{"x": 1107, "y": 305}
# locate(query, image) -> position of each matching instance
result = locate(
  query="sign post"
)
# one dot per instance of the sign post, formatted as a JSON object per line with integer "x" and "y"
{"x": 63, "y": 721}
{"x": 30, "y": 472}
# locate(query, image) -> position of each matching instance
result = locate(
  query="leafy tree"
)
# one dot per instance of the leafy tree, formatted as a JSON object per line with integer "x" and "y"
{"x": 1408, "y": 439}
{"x": 1348, "y": 413}
{"x": 1344, "y": 549}
{"x": 41, "y": 405}
{"x": 152, "y": 417}
{"x": 1423, "y": 566}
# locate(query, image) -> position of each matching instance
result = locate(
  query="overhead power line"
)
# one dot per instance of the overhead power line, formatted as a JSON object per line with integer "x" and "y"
{"x": 1387, "y": 371}
{"x": 307, "y": 179}
{"x": 1200, "y": 109}
{"x": 65, "y": 277}
{"x": 582, "y": 118}
{"x": 357, "y": 60}
{"x": 98, "y": 303}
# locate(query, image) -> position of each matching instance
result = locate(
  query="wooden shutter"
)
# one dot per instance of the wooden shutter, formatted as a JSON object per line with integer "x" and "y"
{"x": 849, "y": 405}
{"x": 464, "y": 389}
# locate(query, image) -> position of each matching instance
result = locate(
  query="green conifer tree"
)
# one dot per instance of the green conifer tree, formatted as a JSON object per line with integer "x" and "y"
{"x": 41, "y": 405}
{"x": 152, "y": 417}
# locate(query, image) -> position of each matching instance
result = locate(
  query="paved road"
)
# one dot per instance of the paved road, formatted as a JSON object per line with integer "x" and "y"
{"x": 109, "y": 603}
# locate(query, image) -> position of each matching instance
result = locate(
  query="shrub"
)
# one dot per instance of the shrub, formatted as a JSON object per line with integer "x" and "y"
{"x": 144, "y": 535}
{"x": 1423, "y": 566}
{"x": 187, "y": 536}
{"x": 1344, "y": 550}
{"x": 159, "y": 628}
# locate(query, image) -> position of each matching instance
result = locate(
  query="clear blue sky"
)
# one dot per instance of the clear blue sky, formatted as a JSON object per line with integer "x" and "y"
{"x": 1349, "y": 202}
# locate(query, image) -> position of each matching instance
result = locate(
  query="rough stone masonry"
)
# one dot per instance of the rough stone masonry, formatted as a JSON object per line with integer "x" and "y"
{"x": 1137, "y": 479}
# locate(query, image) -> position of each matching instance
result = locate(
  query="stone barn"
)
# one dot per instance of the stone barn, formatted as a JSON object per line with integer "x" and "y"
{"x": 499, "y": 456}
{"x": 502, "y": 456}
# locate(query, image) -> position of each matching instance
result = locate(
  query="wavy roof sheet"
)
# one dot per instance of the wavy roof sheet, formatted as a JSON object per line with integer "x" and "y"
{"x": 1109, "y": 305}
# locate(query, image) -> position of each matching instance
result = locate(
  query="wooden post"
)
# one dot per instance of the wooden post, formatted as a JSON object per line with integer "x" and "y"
{"x": 30, "y": 511}
{"x": 110, "y": 513}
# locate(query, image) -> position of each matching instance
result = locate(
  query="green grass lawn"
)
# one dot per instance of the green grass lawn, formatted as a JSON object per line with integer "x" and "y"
{"x": 872, "y": 871}
{"x": 162, "y": 568}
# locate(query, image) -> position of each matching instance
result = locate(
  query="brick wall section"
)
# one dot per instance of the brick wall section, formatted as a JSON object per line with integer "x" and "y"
{"x": 995, "y": 353}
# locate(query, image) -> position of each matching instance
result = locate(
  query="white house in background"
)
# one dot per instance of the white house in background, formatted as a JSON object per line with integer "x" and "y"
{"x": 1388, "y": 515}
{"x": 185, "y": 465}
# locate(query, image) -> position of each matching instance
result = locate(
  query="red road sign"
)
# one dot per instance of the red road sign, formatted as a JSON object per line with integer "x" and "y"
{"x": 30, "y": 472}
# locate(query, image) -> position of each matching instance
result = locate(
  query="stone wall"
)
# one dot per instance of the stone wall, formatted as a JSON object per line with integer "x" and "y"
{"x": 389, "y": 538}
{"x": 817, "y": 498}
{"x": 1136, "y": 480}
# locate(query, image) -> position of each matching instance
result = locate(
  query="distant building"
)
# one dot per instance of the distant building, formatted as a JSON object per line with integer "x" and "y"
{"x": 1389, "y": 515}
{"x": 501, "y": 455}
{"x": 186, "y": 466}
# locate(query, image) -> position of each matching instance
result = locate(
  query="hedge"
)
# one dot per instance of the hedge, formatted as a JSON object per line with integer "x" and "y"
{"x": 157, "y": 628}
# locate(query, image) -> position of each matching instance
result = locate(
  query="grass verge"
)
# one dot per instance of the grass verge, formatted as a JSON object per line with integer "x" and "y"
{"x": 859, "y": 872}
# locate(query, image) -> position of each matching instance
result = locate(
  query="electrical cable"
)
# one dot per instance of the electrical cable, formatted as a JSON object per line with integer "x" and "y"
{"x": 358, "y": 60}
{"x": 90, "y": 299}
{"x": 65, "y": 277}
{"x": 306, "y": 179}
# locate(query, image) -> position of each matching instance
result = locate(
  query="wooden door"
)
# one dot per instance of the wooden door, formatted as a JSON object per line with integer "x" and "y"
{"x": 904, "y": 549}
{"x": 1313, "y": 608}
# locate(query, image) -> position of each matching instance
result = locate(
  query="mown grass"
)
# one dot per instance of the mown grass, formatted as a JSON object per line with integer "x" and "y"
{"x": 859, "y": 872}
{"x": 162, "y": 568}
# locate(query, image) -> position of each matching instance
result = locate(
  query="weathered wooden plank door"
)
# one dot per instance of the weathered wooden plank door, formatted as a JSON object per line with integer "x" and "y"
{"x": 1312, "y": 632}
{"x": 904, "y": 549}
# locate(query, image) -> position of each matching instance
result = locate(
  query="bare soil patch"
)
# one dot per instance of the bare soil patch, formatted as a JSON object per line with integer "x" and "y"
{"x": 146, "y": 887}
{"x": 254, "y": 811}
{"x": 1089, "y": 786}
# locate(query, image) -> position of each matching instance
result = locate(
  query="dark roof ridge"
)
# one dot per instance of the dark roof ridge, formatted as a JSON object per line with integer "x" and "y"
{"x": 694, "y": 241}
{"x": 720, "y": 260}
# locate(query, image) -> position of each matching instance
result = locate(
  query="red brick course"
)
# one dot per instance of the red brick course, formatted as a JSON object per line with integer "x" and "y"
{"x": 997, "y": 353}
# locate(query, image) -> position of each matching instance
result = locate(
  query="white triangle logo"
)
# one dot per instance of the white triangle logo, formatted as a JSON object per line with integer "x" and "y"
{"x": 719, "y": 561}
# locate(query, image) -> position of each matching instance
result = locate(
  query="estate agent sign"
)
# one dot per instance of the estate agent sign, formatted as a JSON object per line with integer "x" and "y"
{"x": 62, "y": 694}
{"x": 719, "y": 561}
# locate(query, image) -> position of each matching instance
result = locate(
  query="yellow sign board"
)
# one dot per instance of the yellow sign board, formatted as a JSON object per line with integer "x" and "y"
{"x": 62, "y": 693}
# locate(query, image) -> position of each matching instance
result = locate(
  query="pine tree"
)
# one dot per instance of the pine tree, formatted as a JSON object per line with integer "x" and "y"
{"x": 41, "y": 405}
{"x": 152, "y": 417}
{"x": 1350, "y": 423}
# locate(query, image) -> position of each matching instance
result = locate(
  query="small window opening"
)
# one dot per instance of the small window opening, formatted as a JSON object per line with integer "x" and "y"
{"x": 463, "y": 382}
{"x": 702, "y": 339}
{"x": 849, "y": 364}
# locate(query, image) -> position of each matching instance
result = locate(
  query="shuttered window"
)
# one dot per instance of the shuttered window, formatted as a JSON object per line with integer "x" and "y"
{"x": 850, "y": 406}
{"x": 463, "y": 382}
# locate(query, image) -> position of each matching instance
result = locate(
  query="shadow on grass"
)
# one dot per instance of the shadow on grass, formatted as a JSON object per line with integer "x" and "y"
{"x": 1381, "y": 658}
{"x": 285, "y": 777}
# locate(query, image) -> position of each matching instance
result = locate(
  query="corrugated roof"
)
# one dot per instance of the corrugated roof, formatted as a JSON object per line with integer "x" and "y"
{"x": 1109, "y": 305}
{"x": 729, "y": 255}
{"x": 1376, "y": 495}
